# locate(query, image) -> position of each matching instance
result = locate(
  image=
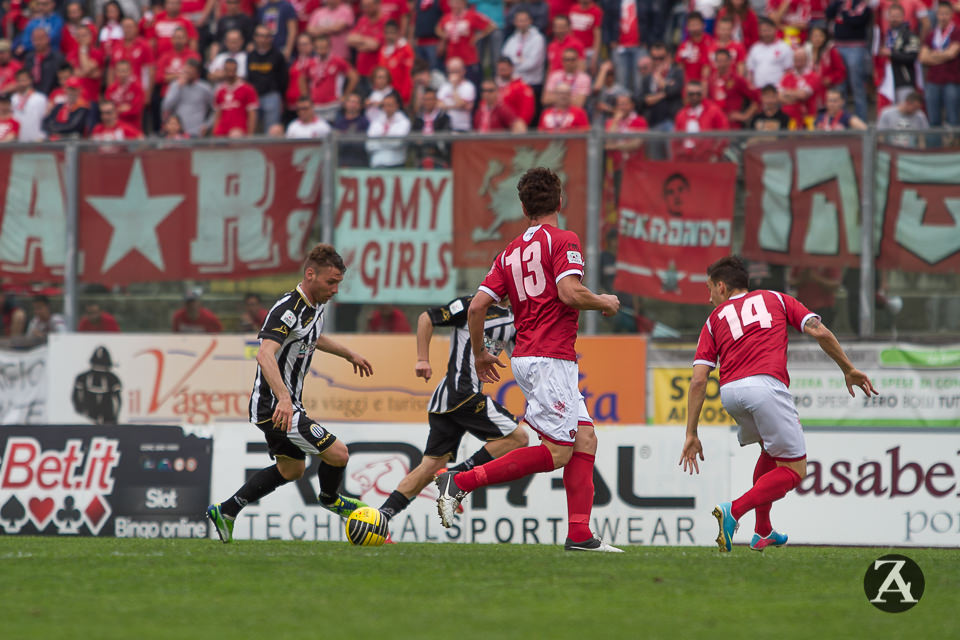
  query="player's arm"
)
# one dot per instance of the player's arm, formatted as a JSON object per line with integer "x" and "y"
{"x": 695, "y": 397}
{"x": 574, "y": 294}
{"x": 360, "y": 364}
{"x": 267, "y": 359}
{"x": 485, "y": 362}
{"x": 831, "y": 346}
{"x": 424, "y": 334}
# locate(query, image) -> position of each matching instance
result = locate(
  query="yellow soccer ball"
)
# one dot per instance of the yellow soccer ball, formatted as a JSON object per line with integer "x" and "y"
{"x": 366, "y": 527}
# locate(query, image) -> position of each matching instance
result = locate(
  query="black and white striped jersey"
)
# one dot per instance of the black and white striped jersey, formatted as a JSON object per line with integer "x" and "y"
{"x": 461, "y": 382}
{"x": 296, "y": 325}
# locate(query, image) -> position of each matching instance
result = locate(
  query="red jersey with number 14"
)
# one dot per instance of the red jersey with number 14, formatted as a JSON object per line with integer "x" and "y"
{"x": 747, "y": 335}
{"x": 528, "y": 271}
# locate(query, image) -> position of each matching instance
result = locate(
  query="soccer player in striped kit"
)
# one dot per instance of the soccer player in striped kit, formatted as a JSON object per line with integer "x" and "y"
{"x": 746, "y": 336}
{"x": 288, "y": 338}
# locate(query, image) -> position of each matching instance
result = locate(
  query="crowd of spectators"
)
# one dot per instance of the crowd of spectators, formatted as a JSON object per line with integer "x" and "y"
{"x": 119, "y": 70}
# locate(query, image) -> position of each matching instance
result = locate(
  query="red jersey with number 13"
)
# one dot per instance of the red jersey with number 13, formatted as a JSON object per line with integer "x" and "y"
{"x": 528, "y": 271}
{"x": 747, "y": 335}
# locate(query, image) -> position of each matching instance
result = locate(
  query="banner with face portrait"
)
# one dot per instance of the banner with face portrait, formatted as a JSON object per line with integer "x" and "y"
{"x": 675, "y": 219}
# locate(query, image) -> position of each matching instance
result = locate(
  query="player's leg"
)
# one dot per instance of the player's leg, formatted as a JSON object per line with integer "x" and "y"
{"x": 486, "y": 419}
{"x": 550, "y": 387}
{"x": 442, "y": 443}
{"x": 289, "y": 466}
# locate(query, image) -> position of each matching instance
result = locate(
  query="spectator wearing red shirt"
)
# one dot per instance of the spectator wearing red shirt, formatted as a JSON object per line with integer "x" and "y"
{"x": 459, "y": 32}
{"x": 563, "y": 39}
{"x": 570, "y": 76}
{"x": 586, "y": 19}
{"x": 110, "y": 126}
{"x": 366, "y": 38}
{"x": 731, "y": 91}
{"x": 694, "y": 53}
{"x": 798, "y": 91}
{"x": 127, "y": 94}
{"x": 746, "y": 27}
{"x": 723, "y": 39}
{"x": 826, "y": 61}
{"x": 398, "y": 11}
{"x": 698, "y": 115}
{"x": 560, "y": 7}
{"x": 300, "y": 67}
{"x": 253, "y": 315}
{"x": 87, "y": 61}
{"x": 388, "y": 319}
{"x": 165, "y": 24}
{"x": 137, "y": 51}
{"x": 8, "y": 68}
{"x": 74, "y": 22}
{"x": 624, "y": 119}
{"x": 9, "y": 128}
{"x": 397, "y": 56}
{"x": 235, "y": 105}
{"x": 333, "y": 19}
{"x": 514, "y": 92}
{"x": 193, "y": 318}
{"x": 940, "y": 55}
{"x": 330, "y": 78}
{"x": 792, "y": 18}
{"x": 96, "y": 320}
{"x": 563, "y": 116}
{"x": 173, "y": 61}
{"x": 493, "y": 115}
{"x": 304, "y": 9}
{"x": 111, "y": 32}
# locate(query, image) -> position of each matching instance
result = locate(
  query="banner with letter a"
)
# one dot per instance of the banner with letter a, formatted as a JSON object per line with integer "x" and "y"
{"x": 394, "y": 231}
{"x": 488, "y": 214}
{"x": 675, "y": 219}
{"x": 175, "y": 214}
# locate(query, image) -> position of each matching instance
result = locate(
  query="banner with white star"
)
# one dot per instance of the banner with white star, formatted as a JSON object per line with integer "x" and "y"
{"x": 173, "y": 214}
{"x": 675, "y": 219}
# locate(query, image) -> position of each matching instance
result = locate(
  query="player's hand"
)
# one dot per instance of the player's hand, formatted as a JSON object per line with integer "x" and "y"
{"x": 688, "y": 457}
{"x": 611, "y": 304}
{"x": 423, "y": 370}
{"x": 360, "y": 364}
{"x": 858, "y": 378}
{"x": 283, "y": 415}
{"x": 486, "y": 365}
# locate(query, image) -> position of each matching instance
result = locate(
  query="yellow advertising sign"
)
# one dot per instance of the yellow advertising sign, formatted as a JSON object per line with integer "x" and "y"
{"x": 670, "y": 387}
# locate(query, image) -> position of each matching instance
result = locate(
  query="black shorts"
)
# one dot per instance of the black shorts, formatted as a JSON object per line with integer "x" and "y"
{"x": 306, "y": 437}
{"x": 480, "y": 415}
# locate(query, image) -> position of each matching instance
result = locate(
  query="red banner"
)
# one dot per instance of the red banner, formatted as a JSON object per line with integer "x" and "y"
{"x": 917, "y": 191}
{"x": 33, "y": 216}
{"x": 675, "y": 219}
{"x": 175, "y": 214}
{"x": 487, "y": 213}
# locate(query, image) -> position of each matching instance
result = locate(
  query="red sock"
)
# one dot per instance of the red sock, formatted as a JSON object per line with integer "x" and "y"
{"x": 765, "y": 464}
{"x": 578, "y": 483}
{"x": 516, "y": 464}
{"x": 771, "y": 486}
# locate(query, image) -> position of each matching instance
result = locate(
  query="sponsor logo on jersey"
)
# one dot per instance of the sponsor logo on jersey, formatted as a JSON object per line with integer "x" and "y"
{"x": 288, "y": 318}
{"x": 282, "y": 331}
{"x": 575, "y": 257}
{"x": 456, "y": 306}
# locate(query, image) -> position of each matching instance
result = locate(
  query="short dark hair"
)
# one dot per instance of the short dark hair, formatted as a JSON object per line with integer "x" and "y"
{"x": 944, "y": 3}
{"x": 392, "y": 24}
{"x": 695, "y": 15}
{"x": 731, "y": 271}
{"x": 4, "y": 98}
{"x": 505, "y": 60}
{"x": 676, "y": 176}
{"x": 766, "y": 21}
{"x": 895, "y": 6}
{"x": 914, "y": 96}
{"x": 539, "y": 189}
{"x": 427, "y": 90}
{"x": 42, "y": 299}
{"x": 523, "y": 11}
{"x": 231, "y": 61}
{"x": 255, "y": 296}
{"x": 723, "y": 51}
{"x": 770, "y": 88}
{"x": 324, "y": 255}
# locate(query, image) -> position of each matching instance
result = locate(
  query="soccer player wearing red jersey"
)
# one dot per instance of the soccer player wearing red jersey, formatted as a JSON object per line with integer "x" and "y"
{"x": 746, "y": 336}
{"x": 540, "y": 272}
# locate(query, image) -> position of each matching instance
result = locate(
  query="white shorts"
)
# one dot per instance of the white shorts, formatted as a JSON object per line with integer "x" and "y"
{"x": 555, "y": 407}
{"x": 765, "y": 412}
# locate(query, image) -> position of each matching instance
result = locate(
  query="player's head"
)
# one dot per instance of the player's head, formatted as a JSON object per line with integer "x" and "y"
{"x": 539, "y": 189}
{"x": 322, "y": 273}
{"x": 726, "y": 277}
{"x": 675, "y": 189}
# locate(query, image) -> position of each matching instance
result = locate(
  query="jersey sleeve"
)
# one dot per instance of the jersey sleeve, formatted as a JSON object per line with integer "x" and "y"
{"x": 495, "y": 284}
{"x": 567, "y": 256}
{"x": 452, "y": 314}
{"x": 706, "y": 347}
{"x": 278, "y": 323}
{"x": 797, "y": 313}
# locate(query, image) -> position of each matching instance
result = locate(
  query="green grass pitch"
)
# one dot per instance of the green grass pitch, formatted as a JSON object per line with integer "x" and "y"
{"x": 101, "y": 588}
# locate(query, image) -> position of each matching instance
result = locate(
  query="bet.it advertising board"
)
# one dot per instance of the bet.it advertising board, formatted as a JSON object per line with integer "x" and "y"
{"x": 641, "y": 496}
{"x": 123, "y": 481}
{"x": 206, "y": 379}
{"x": 895, "y": 487}
{"x": 919, "y": 386}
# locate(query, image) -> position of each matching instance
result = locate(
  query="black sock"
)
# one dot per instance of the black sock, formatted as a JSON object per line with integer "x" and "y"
{"x": 482, "y": 456}
{"x": 394, "y": 504}
{"x": 330, "y": 479}
{"x": 260, "y": 484}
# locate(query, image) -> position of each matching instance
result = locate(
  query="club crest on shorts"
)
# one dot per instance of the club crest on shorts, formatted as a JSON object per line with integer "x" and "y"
{"x": 317, "y": 431}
